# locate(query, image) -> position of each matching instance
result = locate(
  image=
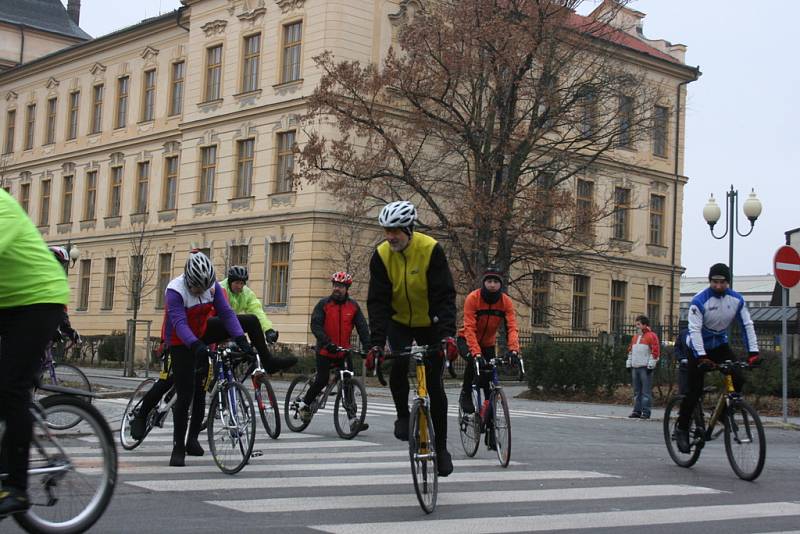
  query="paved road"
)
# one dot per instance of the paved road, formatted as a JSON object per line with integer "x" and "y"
{"x": 574, "y": 467}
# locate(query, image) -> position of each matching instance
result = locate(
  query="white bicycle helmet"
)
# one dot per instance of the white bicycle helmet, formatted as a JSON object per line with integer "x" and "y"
{"x": 398, "y": 214}
{"x": 199, "y": 271}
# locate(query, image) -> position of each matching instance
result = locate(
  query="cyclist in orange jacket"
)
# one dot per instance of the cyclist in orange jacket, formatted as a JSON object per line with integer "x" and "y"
{"x": 484, "y": 310}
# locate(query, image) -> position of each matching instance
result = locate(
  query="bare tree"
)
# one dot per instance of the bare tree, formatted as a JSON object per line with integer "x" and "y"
{"x": 139, "y": 284}
{"x": 355, "y": 237}
{"x": 493, "y": 116}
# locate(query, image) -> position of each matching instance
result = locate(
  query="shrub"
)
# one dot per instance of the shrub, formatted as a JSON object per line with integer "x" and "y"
{"x": 112, "y": 348}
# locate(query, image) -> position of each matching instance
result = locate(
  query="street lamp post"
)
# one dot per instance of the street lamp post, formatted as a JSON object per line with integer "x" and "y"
{"x": 712, "y": 212}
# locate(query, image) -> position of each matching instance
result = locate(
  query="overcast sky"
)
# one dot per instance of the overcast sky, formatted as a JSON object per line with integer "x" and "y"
{"x": 739, "y": 117}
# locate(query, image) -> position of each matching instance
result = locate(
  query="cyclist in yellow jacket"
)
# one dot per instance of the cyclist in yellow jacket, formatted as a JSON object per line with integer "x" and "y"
{"x": 412, "y": 298}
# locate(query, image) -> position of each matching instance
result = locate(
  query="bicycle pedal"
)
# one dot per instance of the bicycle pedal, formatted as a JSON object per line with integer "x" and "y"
{"x": 256, "y": 454}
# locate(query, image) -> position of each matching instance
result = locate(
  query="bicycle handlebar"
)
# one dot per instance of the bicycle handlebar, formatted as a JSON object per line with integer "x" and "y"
{"x": 414, "y": 351}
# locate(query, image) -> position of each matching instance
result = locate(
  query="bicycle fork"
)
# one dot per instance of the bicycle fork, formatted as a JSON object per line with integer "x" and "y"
{"x": 423, "y": 450}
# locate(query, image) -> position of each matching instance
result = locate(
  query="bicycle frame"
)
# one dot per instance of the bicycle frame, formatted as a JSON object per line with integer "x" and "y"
{"x": 494, "y": 384}
{"x": 223, "y": 373}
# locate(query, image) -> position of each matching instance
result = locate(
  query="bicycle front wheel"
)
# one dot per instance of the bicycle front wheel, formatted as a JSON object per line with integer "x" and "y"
{"x": 696, "y": 431}
{"x": 745, "y": 443}
{"x": 501, "y": 427}
{"x": 469, "y": 425}
{"x": 131, "y": 411}
{"x": 66, "y": 375}
{"x": 291, "y": 411}
{"x": 268, "y": 406}
{"x": 421, "y": 451}
{"x": 68, "y": 494}
{"x": 231, "y": 427}
{"x": 350, "y": 408}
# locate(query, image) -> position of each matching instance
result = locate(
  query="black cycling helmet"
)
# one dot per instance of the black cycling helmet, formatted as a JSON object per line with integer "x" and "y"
{"x": 237, "y": 273}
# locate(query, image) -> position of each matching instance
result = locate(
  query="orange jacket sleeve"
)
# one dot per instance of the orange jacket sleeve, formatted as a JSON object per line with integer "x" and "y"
{"x": 511, "y": 324}
{"x": 655, "y": 345}
{"x": 470, "y": 322}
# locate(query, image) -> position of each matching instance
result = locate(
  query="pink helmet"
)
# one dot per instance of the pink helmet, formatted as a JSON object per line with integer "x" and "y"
{"x": 61, "y": 254}
{"x": 342, "y": 278}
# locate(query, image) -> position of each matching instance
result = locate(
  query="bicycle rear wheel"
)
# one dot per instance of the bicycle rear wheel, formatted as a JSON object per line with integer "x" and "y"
{"x": 696, "y": 433}
{"x": 231, "y": 427}
{"x": 501, "y": 427}
{"x": 745, "y": 442}
{"x": 69, "y": 493}
{"x": 295, "y": 393}
{"x": 66, "y": 375}
{"x": 268, "y": 406}
{"x": 421, "y": 451}
{"x": 350, "y": 408}
{"x": 131, "y": 410}
{"x": 469, "y": 425}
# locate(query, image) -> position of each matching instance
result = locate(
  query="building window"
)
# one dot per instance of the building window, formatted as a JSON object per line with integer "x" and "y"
{"x": 30, "y": 125}
{"x": 44, "y": 204}
{"x": 244, "y": 168}
{"x": 580, "y": 302}
{"x": 541, "y": 298}
{"x": 618, "y": 293}
{"x": 115, "y": 192}
{"x": 587, "y": 109}
{"x": 85, "y": 280}
{"x": 122, "y": 102}
{"x": 208, "y": 173}
{"x": 91, "y": 196}
{"x": 11, "y": 123}
{"x": 66, "y": 200}
{"x": 622, "y": 205}
{"x": 285, "y": 162}
{"x": 170, "y": 183}
{"x": 584, "y": 204}
{"x": 50, "y": 130}
{"x": 97, "y": 109}
{"x": 72, "y": 114}
{"x": 654, "y": 304}
{"x": 206, "y": 251}
{"x": 543, "y": 214}
{"x": 25, "y": 196}
{"x": 108, "y": 283}
{"x": 657, "y": 219}
{"x": 176, "y": 88}
{"x": 660, "y": 116}
{"x": 251, "y": 59}
{"x": 292, "y": 42}
{"x": 625, "y": 121}
{"x": 135, "y": 282}
{"x": 213, "y": 73}
{"x": 142, "y": 186}
{"x": 164, "y": 277}
{"x": 238, "y": 254}
{"x": 279, "y": 274}
{"x": 148, "y": 95}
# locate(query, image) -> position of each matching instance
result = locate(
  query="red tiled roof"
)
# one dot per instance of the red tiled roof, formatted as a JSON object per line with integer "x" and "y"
{"x": 604, "y": 31}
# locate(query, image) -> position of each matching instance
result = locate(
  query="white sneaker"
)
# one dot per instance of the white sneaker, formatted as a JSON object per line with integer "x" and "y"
{"x": 304, "y": 411}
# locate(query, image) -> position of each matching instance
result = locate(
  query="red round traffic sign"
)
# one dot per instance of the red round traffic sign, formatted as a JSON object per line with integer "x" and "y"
{"x": 787, "y": 266}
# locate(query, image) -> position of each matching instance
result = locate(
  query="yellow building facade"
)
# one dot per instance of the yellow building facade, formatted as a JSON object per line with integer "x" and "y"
{"x": 181, "y": 128}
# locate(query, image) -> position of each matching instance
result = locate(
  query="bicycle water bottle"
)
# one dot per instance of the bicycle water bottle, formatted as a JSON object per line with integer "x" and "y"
{"x": 484, "y": 408}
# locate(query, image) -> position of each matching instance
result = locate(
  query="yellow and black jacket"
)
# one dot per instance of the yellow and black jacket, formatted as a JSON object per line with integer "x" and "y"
{"x": 413, "y": 287}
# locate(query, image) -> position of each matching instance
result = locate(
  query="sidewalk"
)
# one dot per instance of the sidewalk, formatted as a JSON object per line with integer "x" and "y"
{"x": 612, "y": 411}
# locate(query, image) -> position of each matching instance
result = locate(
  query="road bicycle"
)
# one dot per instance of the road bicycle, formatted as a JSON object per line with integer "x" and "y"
{"x": 350, "y": 404}
{"x": 745, "y": 442}
{"x": 263, "y": 392}
{"x": 491, "y": 417}
{"x": 231, "y": 420}
{"x": 421, "y": 435}
{"x": 67, "y": 493}
{"x": 155, "y": 418}
{"x": 62, "y": 374}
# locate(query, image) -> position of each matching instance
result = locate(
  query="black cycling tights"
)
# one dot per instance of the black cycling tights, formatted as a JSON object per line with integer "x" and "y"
{"x": 24, "y": 334}
{"x": 401, "y": 337}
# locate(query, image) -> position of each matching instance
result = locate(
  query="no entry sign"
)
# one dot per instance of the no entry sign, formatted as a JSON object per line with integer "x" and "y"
{"x": 787, "y": 266}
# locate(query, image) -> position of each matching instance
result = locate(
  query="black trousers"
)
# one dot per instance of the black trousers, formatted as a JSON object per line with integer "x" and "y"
{"x": 25, "y": 332}
{"x": 324, "y": 366}
{"x": 484, "y": 378}
{"x": 401, "y": 337}
{"x": 695, "y": 380}
{"x": 189, "y": 371}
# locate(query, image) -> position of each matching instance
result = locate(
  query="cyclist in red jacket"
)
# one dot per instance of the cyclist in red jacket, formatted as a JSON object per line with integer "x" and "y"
{"x": 332, "y": 323}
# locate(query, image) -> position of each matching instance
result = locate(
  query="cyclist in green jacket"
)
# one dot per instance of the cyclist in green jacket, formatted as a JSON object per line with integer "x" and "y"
{"x": 33, "y": 296}
{"x": 251, "y": 315}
